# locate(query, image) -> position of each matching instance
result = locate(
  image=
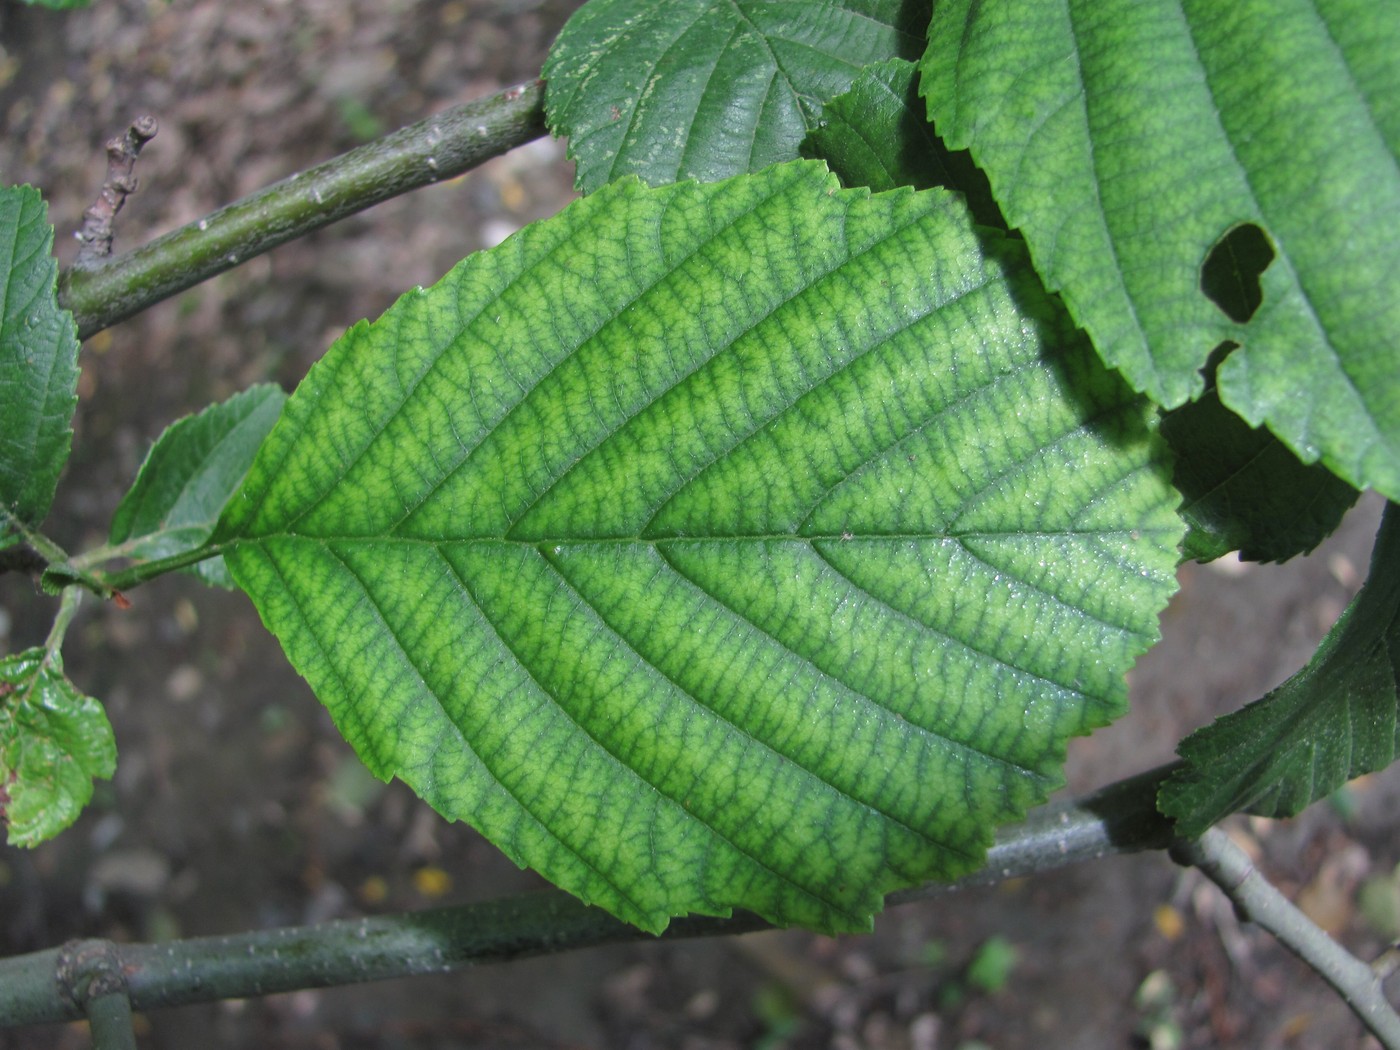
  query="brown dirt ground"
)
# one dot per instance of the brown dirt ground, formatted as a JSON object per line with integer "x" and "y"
{"x": 236, "y": 805}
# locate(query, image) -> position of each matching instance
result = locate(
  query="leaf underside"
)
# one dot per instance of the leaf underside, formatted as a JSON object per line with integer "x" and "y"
{"x": 53, "y": 742}
{"x": 752, "y": 544}
{"x": 1331, "y": 722}
{"x": 1127, "y": 138}
{"x": 38, "y": 364}
{"x": 705, "y": 89}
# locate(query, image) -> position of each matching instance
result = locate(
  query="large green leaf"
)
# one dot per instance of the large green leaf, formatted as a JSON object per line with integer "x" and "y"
{"x": 704, "y": 89}
{"x": 53, "y": 741}
{"x": 188, "y": 476}
{"x": 749, "y": 544}
{"x": 1334, "y": 720}
{"x": 38, "y": 364}
{"x": 1127, "y": 138}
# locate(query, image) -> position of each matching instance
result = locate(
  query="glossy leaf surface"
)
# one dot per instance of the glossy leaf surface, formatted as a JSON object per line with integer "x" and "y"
{"x": 1334, "y": 720}
{"x": 750, "y": 544}
{"x": 705, "y": 89}
{"x": 53, "y": 742}
{"x": 1127, "y": 138}
{"x": 38, "y": 364}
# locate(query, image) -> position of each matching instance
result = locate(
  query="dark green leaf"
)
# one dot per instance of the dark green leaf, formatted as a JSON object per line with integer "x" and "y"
{"x": 1242, "y": 490}
{"x": 876, "y": 135}
{"x": 748, "y": 544}
{"x": 1127, "y": 138}
{"x": 38, "y": 364}
{"x": 1332, "y": 721}
{"x": 188, "y": 476}
{"x": 704, "y": 89}
{"x": 53, "y": 741}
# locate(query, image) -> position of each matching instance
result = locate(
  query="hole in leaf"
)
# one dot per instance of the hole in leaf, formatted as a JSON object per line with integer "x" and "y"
{"x": 1231, "y": 272}
{"x": 1215, "y": 360}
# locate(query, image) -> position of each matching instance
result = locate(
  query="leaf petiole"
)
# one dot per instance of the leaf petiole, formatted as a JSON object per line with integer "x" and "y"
{"x": 67, "y": 609}
{"x": 66, "y": 574}
{"x": 149, "y": 570}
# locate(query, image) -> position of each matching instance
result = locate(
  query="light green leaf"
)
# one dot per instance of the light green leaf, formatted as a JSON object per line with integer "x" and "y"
{"x": 1332, "y": 721}
{"x": 59, "y": 5}
{"x": 188, "y": 476}
{"x": 53, "y": 741}
{"x": 38, "y": 364}
{"x": 876, "y": 135}
{"x": 993, "y": 965}
{"x": 751, "y": 544}
{"x": 704, "y": 89}
{"x": 1127, "y": 138}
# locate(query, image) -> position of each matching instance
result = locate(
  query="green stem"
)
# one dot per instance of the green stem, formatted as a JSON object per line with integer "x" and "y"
{"x": 434, "y": 149}
{"x": 78, "y": 571}
{"x": 149, "y": 570}
{"x": 1256, "y": 899}
{"x": 67, "y": 609}
{"x": 109, "y": 1018}
{"x": 51, "y": 558}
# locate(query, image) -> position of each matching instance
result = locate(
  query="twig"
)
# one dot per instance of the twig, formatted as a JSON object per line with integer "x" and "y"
{"x": 109, "y": 1018}
{"x": 122, "y": 151}
{"x": 1256, "y": 900}
{"x": 89, "y": 973}
{"x": 440, "y": 147}
{"x": 1121, "y": 818}
{"x": 1387, "y": 962}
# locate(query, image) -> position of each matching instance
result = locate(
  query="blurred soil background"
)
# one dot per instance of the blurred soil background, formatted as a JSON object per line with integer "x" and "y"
{"x": 236, "y": 805}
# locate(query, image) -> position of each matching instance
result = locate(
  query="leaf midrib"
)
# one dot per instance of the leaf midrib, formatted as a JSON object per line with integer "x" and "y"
{"x": 543, "y": 542}
{"x": 546, "y": 547}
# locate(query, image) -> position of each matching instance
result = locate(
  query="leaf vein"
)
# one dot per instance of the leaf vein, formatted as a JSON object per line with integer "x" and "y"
{"x": 952, "y": 742}
{"x": 603, "y": 747}
{"x": 736, "y": 728}
{"x": 461, "y": 736}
